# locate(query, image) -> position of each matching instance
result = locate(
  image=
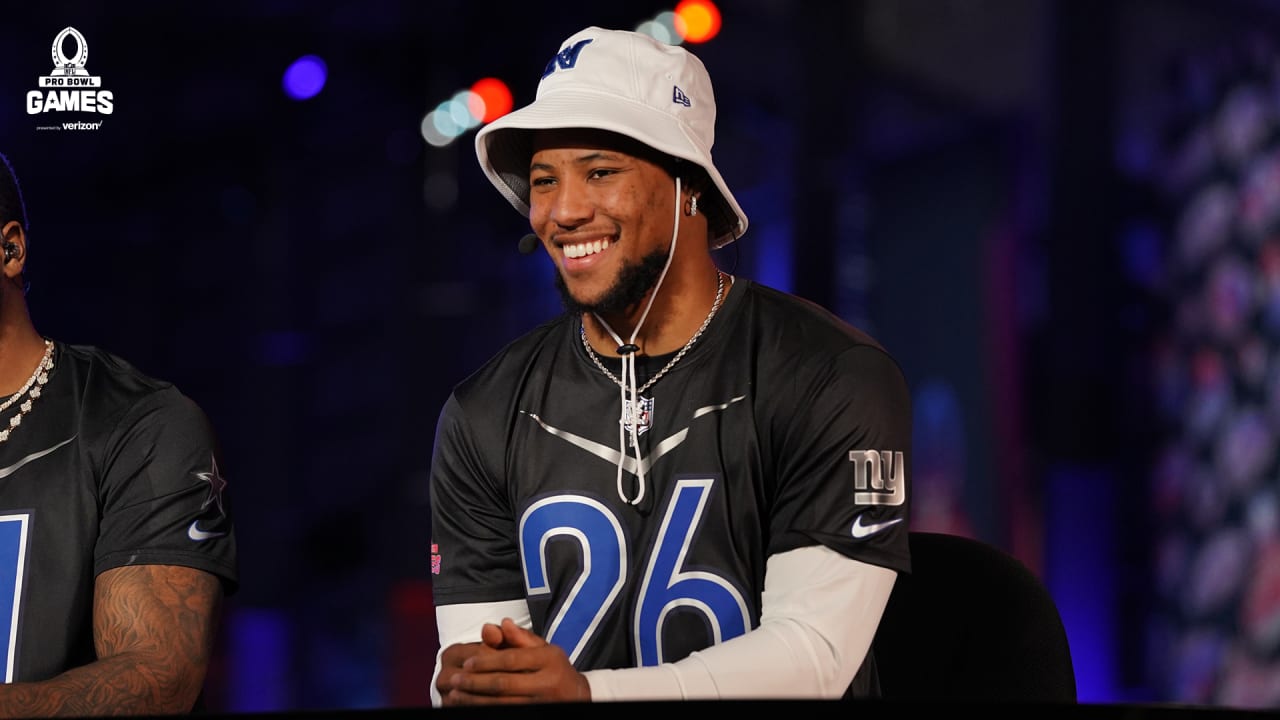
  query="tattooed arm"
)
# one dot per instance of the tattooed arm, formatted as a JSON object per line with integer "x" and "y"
{"x": 153, "y": 627}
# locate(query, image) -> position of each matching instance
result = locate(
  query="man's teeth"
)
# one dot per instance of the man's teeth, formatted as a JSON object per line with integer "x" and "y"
{"x": 584, "y": 249}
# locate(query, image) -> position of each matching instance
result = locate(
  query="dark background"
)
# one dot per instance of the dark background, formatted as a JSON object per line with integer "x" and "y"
{"x": 985, "y": 186}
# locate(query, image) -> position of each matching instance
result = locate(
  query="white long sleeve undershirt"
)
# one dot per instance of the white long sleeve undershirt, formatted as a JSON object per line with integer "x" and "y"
{"x": 819, "y": 613}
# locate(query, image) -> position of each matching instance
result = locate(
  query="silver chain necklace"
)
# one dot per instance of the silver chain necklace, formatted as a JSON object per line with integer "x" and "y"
{"x": 715, "y": 306}
{"x": 37, "y": 379}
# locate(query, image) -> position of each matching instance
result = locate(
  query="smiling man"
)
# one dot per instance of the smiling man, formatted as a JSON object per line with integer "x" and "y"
{"x": 690, "y": 485}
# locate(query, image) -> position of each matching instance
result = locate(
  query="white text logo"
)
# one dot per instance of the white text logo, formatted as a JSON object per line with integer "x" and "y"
{"x": 69, "y": 87}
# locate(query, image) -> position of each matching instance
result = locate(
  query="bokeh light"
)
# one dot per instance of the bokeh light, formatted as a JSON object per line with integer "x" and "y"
{"x": 697, "y": 20}
{"x": 305, "y": 78}
{"x": 460, "y": 109}
{"x": 495, "y": 96}
{"x": 663, "y": 28}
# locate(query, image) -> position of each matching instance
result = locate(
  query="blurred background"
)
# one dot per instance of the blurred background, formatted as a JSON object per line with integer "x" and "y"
{"x": 1061, "y": 216}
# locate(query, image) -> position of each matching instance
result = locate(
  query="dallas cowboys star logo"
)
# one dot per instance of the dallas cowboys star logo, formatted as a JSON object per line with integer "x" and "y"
{"x": 216, "y": 485}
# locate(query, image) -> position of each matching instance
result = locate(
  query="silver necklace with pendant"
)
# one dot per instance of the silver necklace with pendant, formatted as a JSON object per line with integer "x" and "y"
{"x": 640, "y": 409}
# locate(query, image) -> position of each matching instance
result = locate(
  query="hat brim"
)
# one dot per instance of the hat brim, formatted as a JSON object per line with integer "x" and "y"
{"x": 504, "y": 146}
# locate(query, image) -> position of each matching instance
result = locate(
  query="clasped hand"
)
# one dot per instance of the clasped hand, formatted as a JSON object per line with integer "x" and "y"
{"x": 509, "y": 665}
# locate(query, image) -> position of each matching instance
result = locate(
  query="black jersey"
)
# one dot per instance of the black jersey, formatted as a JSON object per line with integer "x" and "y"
{"x": 782, "y": 427}
{"x": 108, "y": 468}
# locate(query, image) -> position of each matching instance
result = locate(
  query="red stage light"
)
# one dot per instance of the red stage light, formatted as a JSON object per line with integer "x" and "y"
{"x": 496, "y": 96}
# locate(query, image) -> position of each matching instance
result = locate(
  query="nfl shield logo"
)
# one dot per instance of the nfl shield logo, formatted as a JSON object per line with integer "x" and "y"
{"x": 642, "y": 411}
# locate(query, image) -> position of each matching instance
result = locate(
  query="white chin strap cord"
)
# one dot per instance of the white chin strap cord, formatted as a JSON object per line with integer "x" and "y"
{"x": 628, "y": 380}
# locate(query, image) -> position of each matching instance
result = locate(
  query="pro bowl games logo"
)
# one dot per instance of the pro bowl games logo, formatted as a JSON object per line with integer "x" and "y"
{"x": 69, "y": 87}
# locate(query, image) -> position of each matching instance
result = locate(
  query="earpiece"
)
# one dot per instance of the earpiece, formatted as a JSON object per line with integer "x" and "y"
{"x": 10, "y": 251}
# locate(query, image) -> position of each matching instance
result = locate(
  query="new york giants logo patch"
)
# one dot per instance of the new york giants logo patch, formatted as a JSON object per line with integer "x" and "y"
{"x": 879, "y": 477}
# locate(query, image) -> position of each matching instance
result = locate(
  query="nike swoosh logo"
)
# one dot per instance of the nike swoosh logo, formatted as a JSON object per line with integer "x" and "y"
{"x": 195, "y": 533}
{"x": 862, "y": 531}
{"x": 6, "y": 472}
{"x": 630, "y": 464}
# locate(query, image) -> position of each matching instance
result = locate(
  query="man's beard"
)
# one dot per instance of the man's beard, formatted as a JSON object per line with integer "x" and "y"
{"x": 633, "y": 283}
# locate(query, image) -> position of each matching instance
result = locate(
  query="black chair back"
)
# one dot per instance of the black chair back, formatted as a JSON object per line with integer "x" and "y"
{"x": 971, "y": 622}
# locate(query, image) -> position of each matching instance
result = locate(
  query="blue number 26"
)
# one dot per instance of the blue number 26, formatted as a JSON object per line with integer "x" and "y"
{"x": 666, "y": 585}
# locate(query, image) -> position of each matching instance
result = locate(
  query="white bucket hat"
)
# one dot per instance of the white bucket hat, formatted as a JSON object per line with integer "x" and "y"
{"x": 624, "y": 82}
